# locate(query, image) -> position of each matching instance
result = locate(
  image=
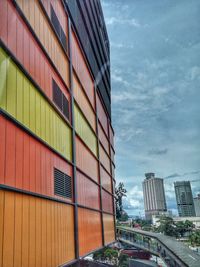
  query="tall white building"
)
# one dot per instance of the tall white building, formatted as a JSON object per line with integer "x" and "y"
{"x": 197, "y": 205}
{"x": 154, "y": 196}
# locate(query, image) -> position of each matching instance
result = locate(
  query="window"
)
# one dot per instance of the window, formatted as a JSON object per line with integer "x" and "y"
{"x": 60, "y": 100}
{"x": 62, "y": 184}
{"x": 56, "y": 24}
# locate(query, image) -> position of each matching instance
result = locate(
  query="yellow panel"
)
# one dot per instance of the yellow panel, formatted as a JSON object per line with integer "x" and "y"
{"x": 32, "y": 108}
{"x": 47, "y": 124}
{"x": 11, "y": 92}
{"x": 84, "y": 131}
{"x": 3, "y": 67}
{"x": 26, "y": 110}
{"x": 34, "y": 111}
{"x": 37, "y": 114}
{"x": 43, "y": 118}
{"x": 19, "y": 96}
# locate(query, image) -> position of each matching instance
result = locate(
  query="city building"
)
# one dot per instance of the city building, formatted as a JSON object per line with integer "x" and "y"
{"x": 184, "y": 199}
{"x": 197, "y": 205}
{"x": 154, "y": 196}
{"x": 195, "y": 220}
{"x": 56, "y": 138}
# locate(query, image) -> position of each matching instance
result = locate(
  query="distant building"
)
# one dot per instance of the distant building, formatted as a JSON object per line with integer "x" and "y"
{"x": 197, "y": 205}
{"x": 184, "y": 199}
{"x": 154, "y": 196}
{"x": 194, "y": 220}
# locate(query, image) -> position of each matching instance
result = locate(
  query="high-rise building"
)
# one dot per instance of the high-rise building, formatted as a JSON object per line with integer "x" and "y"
{"x": 197, "y": 205}
{"x": 184, "y": 199}
{"x": 56, "y": 138}
{"x": 154, "y": 196}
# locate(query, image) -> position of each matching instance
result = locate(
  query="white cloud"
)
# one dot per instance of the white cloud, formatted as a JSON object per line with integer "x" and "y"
{"x": 114, "y": 20}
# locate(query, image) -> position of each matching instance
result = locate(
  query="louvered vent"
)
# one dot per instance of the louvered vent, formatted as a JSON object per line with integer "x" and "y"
{"x": 60, "y": 100}
{"x": 62, "y": 184}
{"x": 58, "y": 28}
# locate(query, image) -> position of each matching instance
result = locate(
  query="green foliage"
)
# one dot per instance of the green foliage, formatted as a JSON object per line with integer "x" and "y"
{"x": 123, "y": 260}
{"x": 194, "y": 238}
{"x": 167, "y": 226}
{"x": 106, "y": 255}
{"x": 120, "y": 192}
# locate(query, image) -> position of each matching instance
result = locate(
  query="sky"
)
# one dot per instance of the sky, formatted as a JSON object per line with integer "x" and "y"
{"x": 155, "y": 75}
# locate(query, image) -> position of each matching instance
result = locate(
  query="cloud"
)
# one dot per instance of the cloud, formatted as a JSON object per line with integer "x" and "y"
{"x": 174, "y": 175}
{"x": 115, "y": 20}
{"x": 158, "y": 152}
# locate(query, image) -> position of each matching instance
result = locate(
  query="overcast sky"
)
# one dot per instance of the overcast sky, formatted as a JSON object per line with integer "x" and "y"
{"x": 155, "y": 64}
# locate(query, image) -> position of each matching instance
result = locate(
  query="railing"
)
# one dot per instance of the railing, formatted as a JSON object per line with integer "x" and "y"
{"x": 173, "y": 253}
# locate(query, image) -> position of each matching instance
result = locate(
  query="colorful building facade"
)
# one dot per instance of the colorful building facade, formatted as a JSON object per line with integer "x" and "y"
{"x": 56, "y": 138}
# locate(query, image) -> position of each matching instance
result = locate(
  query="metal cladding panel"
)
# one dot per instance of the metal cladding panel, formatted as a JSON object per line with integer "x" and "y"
{"x": 88, "y": 192}
{"x": 113, "y": 171}
{"x": 28, "y": 164}
{"x": 106, "y": 181}
{"x": 35, "y": 231}
{"x": 83, "y": 103}
{"x": 98, "y": 66}
{"x": 107, "y": 202}
{"x": 86, "y": 161}
{"x": 109, "y": 228}
{"x": 84, "y": 131}
{"x": 89, "y": 229}
{"x": 102, "y": 115}
{"x": 104, "y": 159}
{"x": 34, "y": 112}
{"x": 59, "y": 10}
{"x": 103, "y": 138}
{"x": 112, "y": 154}
{"x": 46, "y": 36}
{"x": 111, "y": 135}
{"x": 81, "y": 70}
{"x": 33, "y": 59}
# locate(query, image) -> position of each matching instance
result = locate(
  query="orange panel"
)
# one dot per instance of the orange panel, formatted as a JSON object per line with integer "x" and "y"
{"x": 103, "y": 138}
{"x": 25, "y": 48}
{"x": 107, "y": 202}
{"x": 30, "y": 236}
{"x": 82, "y": 70}
{"x": 86, "y": 161}
{"x": 102, "y": 115}
{"x": 29, "y": 164}
{"x": 109, "y": 232}
{"x": 88, "y": 192}
{"x": 89, "y": 229}
{"x": 106, "y": 180}
{"x": 104, "y": 159}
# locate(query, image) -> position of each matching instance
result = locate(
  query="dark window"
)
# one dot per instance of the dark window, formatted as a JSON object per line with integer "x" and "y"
{"x": 62, "y": 184}
{"x": 60, "y": 100}
{"x": 56, "y": 24}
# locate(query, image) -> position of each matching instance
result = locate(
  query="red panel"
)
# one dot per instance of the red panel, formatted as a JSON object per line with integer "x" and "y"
{"x": 12, "y": 30}
{"x": 102, "y": 115}
{"x": 86, "y": 161}
{"x": 26, "y": 161}
{"x": 82, "y": 70}
{"x": 19, "y": 41}
{"x": 88, "y": 192}
{"x": 103, "y": 138}
{"x": 2, "y": 149}
{"x": 107, "y": 202}
{"x": 3, "y": 21}
{"x": 26, "y": 62}
{"x": 29, "y": 165}
{"x": 19, "y": 158}
{"x": 10, "y": 160}
{"x": 106, "y": 180}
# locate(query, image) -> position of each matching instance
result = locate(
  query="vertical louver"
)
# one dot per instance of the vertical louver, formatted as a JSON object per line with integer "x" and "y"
{"x": 58, "y": 29}
{"x": 62, "y": 184}
{"x": 60, "y": 100}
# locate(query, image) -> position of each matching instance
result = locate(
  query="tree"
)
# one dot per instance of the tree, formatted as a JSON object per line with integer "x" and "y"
{"x": 120, "y": 192}
{"x": 194, "y": 238}
{"x": 167, "y": 226}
